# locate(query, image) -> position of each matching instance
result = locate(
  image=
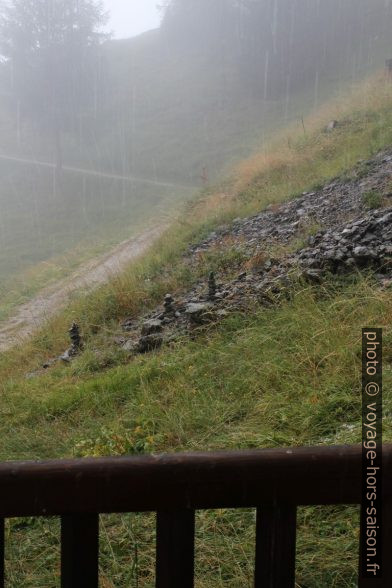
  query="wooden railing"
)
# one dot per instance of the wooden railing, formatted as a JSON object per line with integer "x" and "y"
{"x": 274, "y": 482}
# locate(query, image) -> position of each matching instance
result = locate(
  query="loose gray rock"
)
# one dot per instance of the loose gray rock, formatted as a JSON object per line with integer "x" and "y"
{"x": 149, "y": 343}
{"x": 152, "y": 326}
{"x": 129, "y": 345}
{"x": 332, "y": 126}
{"x": 312, "y": 275}
{"x": 128, "y": 324}
{"x": 198, "y": 313}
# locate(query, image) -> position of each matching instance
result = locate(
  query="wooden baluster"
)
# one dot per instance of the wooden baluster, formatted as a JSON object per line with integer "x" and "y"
{"x": 2, "y": 554}
{"x": 79, "y": 551}
{"x": 275, "y": 547}
{"x": 175, "y": 549}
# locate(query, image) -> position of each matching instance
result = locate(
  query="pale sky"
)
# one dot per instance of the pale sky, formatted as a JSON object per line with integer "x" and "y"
{"x": 132, "y": 17}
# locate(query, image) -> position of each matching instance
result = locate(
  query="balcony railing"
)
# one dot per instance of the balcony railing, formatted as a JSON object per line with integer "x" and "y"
{"x": 275, "y": 482}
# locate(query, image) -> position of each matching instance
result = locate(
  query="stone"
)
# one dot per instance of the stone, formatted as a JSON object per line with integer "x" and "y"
{"x": 129, "y": 345}
{"x": 66, "y": 356}
{"x": 48, "y": 364}
{"x": 386, "y": 283}
{"x": 76, "y": 344}
{"x": 168, "y": 304}
{"x": 361, "y": 251}
{"x": 152, "y": 326}
{"x": 211, "y": 287}
{"x": 149, "y": 343}
{"x": 128, "y": 324}
{"x": 74, "y": 335}
{"x": 332, "y": 125}
{"x": 339, "y": 255}
{"x": 312, "y": 275}
{"x": 195, "y": 308}
{"x": 198, "y": 313}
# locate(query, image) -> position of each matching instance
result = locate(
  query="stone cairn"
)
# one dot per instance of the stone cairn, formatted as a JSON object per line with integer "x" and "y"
{"x": 76, "y": 343}
{"x": 212, "y": 287}
{"x": 72, "y": 351}
{"x": 168, "y": 305}
{"x": 74, "y": 335}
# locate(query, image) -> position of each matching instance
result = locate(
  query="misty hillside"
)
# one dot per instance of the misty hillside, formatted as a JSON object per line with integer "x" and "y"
{"x": 195, "y": 228}
{"x": 219, "y": 76}
{"x": 181, "y": 104}
{"x": 257, "y": 345}
{"x": 206, "y": 87}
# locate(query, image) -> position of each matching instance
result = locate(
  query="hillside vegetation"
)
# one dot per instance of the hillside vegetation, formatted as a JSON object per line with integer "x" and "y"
{"x": 177, "y": 104}
{"x": 288, "y": 374}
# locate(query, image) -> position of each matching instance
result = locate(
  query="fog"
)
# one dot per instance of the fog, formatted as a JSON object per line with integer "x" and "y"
{"x": 129, "y": 18}
{"x": 100, "y": 134}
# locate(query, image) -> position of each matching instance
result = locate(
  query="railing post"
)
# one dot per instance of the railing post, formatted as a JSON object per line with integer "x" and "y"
{"x": 275, "y": 547}
{"x": 175, "y": 549}
{"x": 2, "y": 552}
{"x": 79, "y": 551}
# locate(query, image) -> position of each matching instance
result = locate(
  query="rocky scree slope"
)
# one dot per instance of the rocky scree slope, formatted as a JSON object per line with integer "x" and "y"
{"x": 346, "y": 237}
{"x": 325, "y": 232}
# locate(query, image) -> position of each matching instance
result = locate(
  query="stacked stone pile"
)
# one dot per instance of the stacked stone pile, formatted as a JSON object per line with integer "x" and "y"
{"x": 366, "y": 242}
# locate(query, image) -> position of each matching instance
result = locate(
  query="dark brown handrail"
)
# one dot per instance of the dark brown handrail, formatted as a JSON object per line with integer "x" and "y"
{"x": 275, "y": 481}
{"x": 317, "y": 475}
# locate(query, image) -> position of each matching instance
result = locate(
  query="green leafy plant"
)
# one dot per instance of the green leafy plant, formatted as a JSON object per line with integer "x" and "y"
{"x": 112, "y": 442}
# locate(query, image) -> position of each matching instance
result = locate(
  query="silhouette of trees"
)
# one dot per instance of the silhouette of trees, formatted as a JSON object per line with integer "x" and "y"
{"x": 278, "y": 45}
{"x": 50, "y": 48}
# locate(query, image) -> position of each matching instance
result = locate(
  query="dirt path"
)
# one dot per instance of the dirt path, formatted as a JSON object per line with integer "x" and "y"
{"x": 33, "y": 314}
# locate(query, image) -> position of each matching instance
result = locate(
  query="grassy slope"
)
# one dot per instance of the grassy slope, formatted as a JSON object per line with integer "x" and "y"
{"x": 288, "y": 375}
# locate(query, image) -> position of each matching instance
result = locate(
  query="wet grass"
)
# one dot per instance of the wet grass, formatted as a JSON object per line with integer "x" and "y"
{"x": 285, "y": 375}
{"x": 274, "y": 377}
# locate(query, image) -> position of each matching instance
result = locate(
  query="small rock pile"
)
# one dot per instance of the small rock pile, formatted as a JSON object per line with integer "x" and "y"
{"x": 76, "y": 344}
{"x": 73, "y": 351}
{"x": 366, "y": 242}
{"x": 165, "y": 325}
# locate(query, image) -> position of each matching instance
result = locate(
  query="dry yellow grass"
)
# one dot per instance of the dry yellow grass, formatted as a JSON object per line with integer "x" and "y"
{"x": 301, "y": 143}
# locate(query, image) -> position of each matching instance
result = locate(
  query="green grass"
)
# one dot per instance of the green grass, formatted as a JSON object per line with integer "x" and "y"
{"x": 372, "y": 199}
{"x": 285, "y": 375}
{"x": 279, "y": 376}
